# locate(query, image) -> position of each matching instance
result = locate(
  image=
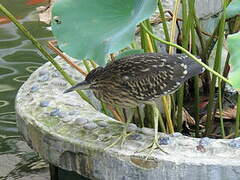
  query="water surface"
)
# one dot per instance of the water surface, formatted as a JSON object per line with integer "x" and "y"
{"x": 18, "y": 59}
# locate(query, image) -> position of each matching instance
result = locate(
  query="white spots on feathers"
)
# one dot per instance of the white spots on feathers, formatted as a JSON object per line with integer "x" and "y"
{"x": 178, "y": 83}
{"x": 185, "y": 72}
{"x": 145, "y": 70}
{"x": 182, "y": 57}
{"x": 183, "y": 65}
{"x": 125, "y": 77}
{"x": 161, "y": 65}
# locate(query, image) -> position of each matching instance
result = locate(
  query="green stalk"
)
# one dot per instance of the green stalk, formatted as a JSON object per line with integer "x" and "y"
{"x": 225, "y": 72}
{"x": 173, "y": 110}
{"x": 198, "y": 31}
{"x": 220, "y": 107}
{"x": 147, "y": 23}
{"x": 184, "y": 22}
{"x": 196, "y": 91}
{"x": 210, "y": 43}
{"x": 141, "y": 119}
{"x": 42, "y": 50}
{"x": 185, "y": 37}
{"x": 164, "y": 22}
{"x": 87, "y": 66}
{"x": 104, "y": 108}
{"x": 187, "y": 53}
{"x": 196, "y": 78}
{"x": 217, "y": 66}
{"x": 237, "y": 117}
{"x": 134, "y": 45}
{"x": 161, "y": 123}
{"x": 94, "y": 65}
{"x": 143, "y": 39}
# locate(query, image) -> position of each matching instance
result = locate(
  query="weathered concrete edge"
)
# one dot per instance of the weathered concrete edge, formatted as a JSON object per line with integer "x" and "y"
{"x": 107, "y": 165}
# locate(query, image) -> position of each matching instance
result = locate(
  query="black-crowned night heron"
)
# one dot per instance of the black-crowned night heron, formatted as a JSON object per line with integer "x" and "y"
{"x": 139, "y": 79}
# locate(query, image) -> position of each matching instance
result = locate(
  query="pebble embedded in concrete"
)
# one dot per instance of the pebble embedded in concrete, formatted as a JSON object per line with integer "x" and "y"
{"x": 164, "y": 140}
{"x": 59, "y": 82}
{"x": 90, "y": 126}
{"x": 81, "y": 121}
{"x": 55, "y": 112}
{"x": 71, "y": 113}
{"x": 55, "y": 74}
{"x": 204, "y": 141}
{"x": 43, "y": 72}
{"x": 34, "y": 88}
{"x": 147, "y": 131}
{"x": 176, "y": 134}
{"x": 43, "y": 78}
{"x": 131, "y": 127}
{"x": 135, "y": 137}
{"x": 102, "y": 123}
{"x": 62, "y": 114}
{"x": 44, "y": 103}
{"x": 235, "y": 143}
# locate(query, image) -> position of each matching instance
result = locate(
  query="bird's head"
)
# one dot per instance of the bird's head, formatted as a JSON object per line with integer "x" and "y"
{"x": 90, "y": 81}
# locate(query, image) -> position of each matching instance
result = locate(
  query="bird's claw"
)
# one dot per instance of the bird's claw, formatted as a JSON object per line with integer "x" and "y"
{"x": 151, "y": 147}
{"x": 121, "y": 139}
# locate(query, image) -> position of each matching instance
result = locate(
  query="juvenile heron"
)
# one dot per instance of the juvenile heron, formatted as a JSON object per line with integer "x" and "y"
{"x": 139, "y": 79}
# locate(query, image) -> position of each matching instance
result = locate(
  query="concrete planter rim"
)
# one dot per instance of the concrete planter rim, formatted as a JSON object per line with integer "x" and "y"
{"x": 53, "y": 127}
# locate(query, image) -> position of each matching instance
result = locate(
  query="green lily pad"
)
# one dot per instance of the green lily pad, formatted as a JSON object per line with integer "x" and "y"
{"x": 233, "y": 9}
{"x": 129, "y": 52}
{"x": 233, "y": 46}
{"x": 90, "y": 29}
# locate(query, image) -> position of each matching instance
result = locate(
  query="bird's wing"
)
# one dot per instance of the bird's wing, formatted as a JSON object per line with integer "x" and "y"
{"x": 152, "y": 75}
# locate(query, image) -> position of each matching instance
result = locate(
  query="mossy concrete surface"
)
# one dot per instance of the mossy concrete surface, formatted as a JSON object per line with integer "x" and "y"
{"x": 70, "y": 133}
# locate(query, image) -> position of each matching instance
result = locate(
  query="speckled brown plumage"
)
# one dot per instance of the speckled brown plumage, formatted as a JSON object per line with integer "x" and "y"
{"x": 141, "y": 78}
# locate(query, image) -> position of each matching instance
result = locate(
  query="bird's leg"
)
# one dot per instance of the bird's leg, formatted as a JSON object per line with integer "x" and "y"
{"x": 154, "y": 144}
{"x": 122, "y": 137}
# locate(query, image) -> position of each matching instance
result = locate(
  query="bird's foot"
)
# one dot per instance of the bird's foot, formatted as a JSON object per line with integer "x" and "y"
{"x": 151, "y": 147}
{"x": 120, "y": 139}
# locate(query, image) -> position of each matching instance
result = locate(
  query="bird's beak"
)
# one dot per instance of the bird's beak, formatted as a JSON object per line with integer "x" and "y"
{"x": 82, "y": 85}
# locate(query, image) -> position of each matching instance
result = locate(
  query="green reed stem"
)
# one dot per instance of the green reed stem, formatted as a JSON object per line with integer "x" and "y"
{"x": 161, "y": 123}
{"x": 217, "y": 66}
{"x": 153, "y": 43}
{"x": 164, "y": 22}
{"x": 180, "y": 92}
{"x": 87, "y": 66}
{"x": 141, "y": 119}
{"x": 220, "y": 107}
{"x": 42, "y": 50}
{"x": 196, "y": 78}
{"x": 94, "y": 65}
{"x": 237, "y": 126}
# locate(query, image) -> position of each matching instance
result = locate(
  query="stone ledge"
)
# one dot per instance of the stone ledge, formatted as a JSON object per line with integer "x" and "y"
{"x": 71, "y": 134}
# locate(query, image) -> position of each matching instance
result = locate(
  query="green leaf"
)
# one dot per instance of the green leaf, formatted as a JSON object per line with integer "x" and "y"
{"x": 90, "y": 29}
{"x": 233, "y": 9}
{"x": 129, "y": 52}
{"x": 233, "y": 47}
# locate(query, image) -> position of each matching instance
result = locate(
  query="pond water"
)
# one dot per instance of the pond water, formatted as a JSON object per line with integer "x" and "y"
{"x": 18, "y": 59}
